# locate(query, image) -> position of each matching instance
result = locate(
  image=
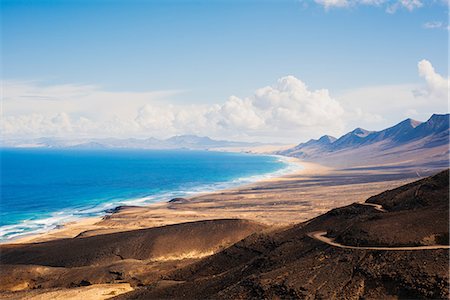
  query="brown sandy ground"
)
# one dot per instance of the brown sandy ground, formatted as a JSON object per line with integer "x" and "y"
{"x": 280, "y": 202}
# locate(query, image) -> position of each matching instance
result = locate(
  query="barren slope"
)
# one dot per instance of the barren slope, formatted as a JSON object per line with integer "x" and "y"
{"x": 291, "y": 265}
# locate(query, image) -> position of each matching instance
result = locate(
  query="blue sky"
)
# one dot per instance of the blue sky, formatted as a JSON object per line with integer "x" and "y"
{"x": 202, "y": 52}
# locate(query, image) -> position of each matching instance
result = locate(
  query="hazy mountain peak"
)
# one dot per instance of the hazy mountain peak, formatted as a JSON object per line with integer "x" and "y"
{"x": 360, "y": 132}
{"x": 401, "y": 132}
{"x": 437, "y": 123}
{"x": 327, "y": 139}
{"x": 439, "y": 116}
{"x": 175, "y": 142}
{"x": 189, "y": 137}
{"x": 439, "y": 119}
{"x": 408, "y": 123}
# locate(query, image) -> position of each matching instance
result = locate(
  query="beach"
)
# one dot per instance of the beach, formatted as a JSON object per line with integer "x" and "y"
{"x": 75, "y": 185}
{"x": 309, "y": 191}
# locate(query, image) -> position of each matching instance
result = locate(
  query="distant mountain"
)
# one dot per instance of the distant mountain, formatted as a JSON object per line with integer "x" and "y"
{"x": 312, "y": 146}
{"x": 176, "y": 142}
{"x": 409, "y": 141}
{"x": 193, "y": 141}
{"x": 353, "y": 138}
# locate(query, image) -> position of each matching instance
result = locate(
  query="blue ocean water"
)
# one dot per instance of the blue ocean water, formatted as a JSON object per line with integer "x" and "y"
{"x": 41, "y": 188}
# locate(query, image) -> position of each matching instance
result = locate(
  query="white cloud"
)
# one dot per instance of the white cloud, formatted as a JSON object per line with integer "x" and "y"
{"x": 376, "y": 107}
{"x": 289, "y": 103}
{"x": 433, "y": 25}
{"x": 21, "y": 97}
{"x": 391, "y": 6}
{"x": 240, "y": 114}
{"x": 288, "y": 110}
{"x": 31, "y": 108}
{"x": 410, "y": 5}
{"x": 372, "y": 2}
{"x": 332, "y": 3}
{"x": 278, "y": 111}
{"x": 436, "y": 85}
{"x": 155, "y": 117}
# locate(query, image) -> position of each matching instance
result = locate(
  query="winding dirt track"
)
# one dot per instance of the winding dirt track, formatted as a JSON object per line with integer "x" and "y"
{"x": 378, "y": 207}
{"x": 321, "y": 236}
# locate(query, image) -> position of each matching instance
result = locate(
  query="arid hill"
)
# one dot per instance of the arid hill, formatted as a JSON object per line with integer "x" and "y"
{"x": 137, "y": 256}
{"x": 289, "y": 264}
{"x": 180, "y": 240}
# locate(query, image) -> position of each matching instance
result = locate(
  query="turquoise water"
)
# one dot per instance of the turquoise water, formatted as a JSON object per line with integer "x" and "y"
{"x": 41, "y": 188}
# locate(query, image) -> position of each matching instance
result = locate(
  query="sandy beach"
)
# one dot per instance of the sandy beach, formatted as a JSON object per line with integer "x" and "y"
{"x": 311, "y": 190}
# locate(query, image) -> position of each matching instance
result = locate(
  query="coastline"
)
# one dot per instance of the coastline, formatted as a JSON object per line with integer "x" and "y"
{"x": 276, "y": 202}
{"x": 78, "y": 225}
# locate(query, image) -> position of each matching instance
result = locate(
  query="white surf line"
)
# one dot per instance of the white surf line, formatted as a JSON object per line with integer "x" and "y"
{"x": 320, "y": 236}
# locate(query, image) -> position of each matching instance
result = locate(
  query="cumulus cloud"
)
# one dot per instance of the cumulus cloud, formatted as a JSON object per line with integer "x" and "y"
{"x": 287, "y": 110}
{"x": 286, "y": 107}
{"x": 32, "y": 123}
{"x": 154, "y": 117}
{"x": 279, "y": 110}
{"x": 436, "y": 85}
{"x": 289, "y": 103}
{"x": 239, "y": 113}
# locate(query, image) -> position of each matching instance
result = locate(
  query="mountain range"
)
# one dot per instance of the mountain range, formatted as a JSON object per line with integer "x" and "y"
{"x": 408, "y": 142}
{"x": 176, "y": 142}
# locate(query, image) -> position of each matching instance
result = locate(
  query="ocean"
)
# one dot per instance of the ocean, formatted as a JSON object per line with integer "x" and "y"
{"x": 43, "y": 188}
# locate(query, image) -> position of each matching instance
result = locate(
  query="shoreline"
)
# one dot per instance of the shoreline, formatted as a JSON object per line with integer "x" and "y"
{"x": 274, "y": 202}
{"x": 79, "y": 224}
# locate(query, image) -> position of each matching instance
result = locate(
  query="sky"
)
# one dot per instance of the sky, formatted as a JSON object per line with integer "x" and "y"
{"x": 270, "y": 71}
